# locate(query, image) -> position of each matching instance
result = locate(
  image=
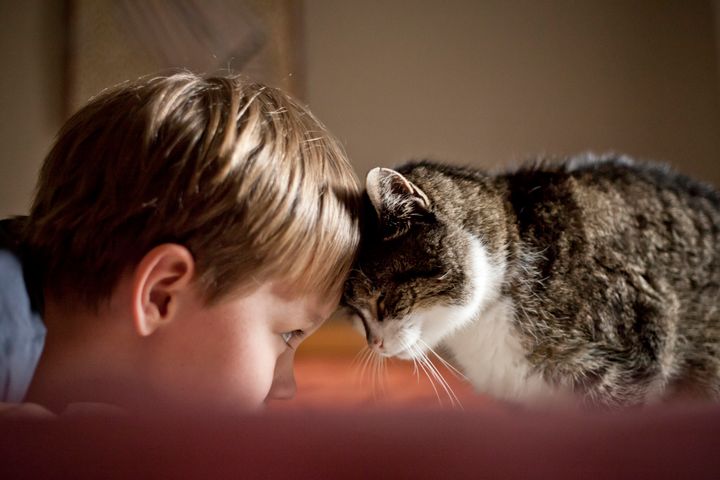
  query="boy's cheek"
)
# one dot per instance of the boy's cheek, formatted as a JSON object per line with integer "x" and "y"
{"x": 251, "y": 376}
{"x": 223, "y": 370}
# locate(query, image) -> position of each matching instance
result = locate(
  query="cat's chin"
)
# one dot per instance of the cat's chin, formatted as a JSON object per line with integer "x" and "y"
{"x": 404, "y": 355}
{"x": 401, "y": 354}
{"x": 411, "y": 353}
{"x": 408, "y": 345}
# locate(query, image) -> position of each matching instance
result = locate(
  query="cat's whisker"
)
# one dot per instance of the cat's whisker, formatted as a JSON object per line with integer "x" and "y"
{"x": 429, "y": 373}
{"x": 370, "y": 368}
{"x": 378, "y": 376}
{"x": 366, "y": 357}
{"x": 356, "y": 365}
{"x": 383, "y": 375}
{"x": 406, "y": 346}
{"x": 377, "y": 386}
{"x": 454, "y": 400}
{"x": 373, "y": 376}
{"x": 358, "y": 356}
{"x": 415, "y": 370}
{"x": 433, "y": 370}
{"x": 447, "y": 364}
{"x": 430, "y": 378}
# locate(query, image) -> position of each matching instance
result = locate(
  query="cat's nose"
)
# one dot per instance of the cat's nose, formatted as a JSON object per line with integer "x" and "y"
{"x": 376, "y": 342}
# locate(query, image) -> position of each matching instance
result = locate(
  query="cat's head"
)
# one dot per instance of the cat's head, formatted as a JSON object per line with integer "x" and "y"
{"x": 414, "y": 281}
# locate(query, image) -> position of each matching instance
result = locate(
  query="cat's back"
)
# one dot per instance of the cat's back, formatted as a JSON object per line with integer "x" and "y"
{"x": 610, "y": 208}
{"x": 642, "y": 185}
{"x": 630, "y": 253}
{"x": 581, "y": 201}
{"x": 588, "y": 204}
{"x": 606, "y": 177}
{"x": 593, "y": 182}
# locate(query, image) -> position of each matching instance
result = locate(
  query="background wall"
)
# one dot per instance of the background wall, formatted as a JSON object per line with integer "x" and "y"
{"x": 492, "y": 82}
{"x": 31, "y": 55}
{"x": 486, "y": 83}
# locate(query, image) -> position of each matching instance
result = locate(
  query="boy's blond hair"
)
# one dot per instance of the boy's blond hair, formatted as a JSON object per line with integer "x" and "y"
{"x": 239, "y": 173}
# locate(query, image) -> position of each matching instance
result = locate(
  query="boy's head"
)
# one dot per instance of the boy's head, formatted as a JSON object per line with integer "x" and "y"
{"x": 240, "y": 174}
{"x": 237, "y": 177}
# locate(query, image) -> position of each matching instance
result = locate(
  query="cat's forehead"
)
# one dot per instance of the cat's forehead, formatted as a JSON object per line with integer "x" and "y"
{"x": 416, "y": 246}
{"x": 390, "y": 262}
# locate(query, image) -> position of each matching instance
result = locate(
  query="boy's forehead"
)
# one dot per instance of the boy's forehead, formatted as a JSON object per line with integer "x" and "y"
{"x": 319, "y": 303}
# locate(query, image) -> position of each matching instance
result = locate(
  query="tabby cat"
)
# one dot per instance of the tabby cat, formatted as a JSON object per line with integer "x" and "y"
{"x": 591, "y": 280}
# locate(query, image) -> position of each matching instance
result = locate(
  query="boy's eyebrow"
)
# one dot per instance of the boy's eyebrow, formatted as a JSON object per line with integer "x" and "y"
{"x": 318, "y": 319}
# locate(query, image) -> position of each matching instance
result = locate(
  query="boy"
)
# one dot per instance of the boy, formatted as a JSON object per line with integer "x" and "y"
{"x": 186, "y": 234}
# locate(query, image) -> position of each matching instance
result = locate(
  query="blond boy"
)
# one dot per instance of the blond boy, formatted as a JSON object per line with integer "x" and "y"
{"x": 186, "y": 234}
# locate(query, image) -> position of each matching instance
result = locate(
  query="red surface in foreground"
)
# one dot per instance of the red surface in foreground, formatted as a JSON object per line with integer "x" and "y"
{"x": 412, "y": 443}
{"x": 337, "y": 428}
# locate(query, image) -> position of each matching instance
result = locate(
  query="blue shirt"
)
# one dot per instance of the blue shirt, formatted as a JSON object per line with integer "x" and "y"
{"x": 22, "y": 332}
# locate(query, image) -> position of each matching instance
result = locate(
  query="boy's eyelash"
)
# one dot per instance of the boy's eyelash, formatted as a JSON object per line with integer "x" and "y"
{"x": 288, "y": 336}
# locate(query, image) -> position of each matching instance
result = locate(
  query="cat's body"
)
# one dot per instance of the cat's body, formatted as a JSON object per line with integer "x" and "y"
{"x": 590, "y": 280}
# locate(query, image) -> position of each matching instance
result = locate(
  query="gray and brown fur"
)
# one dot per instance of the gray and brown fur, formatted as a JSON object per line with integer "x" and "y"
{"x": 612, "y": 268}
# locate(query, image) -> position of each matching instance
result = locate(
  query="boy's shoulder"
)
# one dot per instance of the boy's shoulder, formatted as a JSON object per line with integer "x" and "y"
{"x": 8, "y": 229}
{"x": 22, "y": 332}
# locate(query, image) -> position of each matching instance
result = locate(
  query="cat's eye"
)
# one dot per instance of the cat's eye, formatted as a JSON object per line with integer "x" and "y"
{"x": 443, "y": 276}
{"x": 288, "y": 337}
{"x": 381, "y": 307}
{"x": 432, "y": 273}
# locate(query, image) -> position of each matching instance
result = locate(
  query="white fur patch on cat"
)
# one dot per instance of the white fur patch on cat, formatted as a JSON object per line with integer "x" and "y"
{"x": 480, "y": 336}
{"x": 492, "y": 358}
{"x": 442, "y": 320}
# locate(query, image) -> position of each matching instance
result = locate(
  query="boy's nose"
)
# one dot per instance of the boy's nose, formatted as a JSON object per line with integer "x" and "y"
{"x": 283, "y": 386}
{"x": 284, "y": 389}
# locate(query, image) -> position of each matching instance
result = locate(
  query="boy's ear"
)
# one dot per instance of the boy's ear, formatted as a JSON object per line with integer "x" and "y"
{"x": 397, "y": 201}
{"x": 161, "y": 276}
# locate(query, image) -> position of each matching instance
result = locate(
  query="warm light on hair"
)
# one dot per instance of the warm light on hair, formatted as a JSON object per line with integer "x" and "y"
{"x": 239, "y": 173}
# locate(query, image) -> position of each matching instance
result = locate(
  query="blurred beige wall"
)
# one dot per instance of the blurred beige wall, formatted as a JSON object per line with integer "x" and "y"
{"x": 56, "y": 54}
{"x": 717, "y": 37}
{"x": 31, "y": 33}
{"x": 481, "y": 82}
{"x": 489, "y": 83}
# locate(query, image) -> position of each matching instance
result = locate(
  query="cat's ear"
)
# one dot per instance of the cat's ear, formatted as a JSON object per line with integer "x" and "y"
{"x": 397, "y": 201}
